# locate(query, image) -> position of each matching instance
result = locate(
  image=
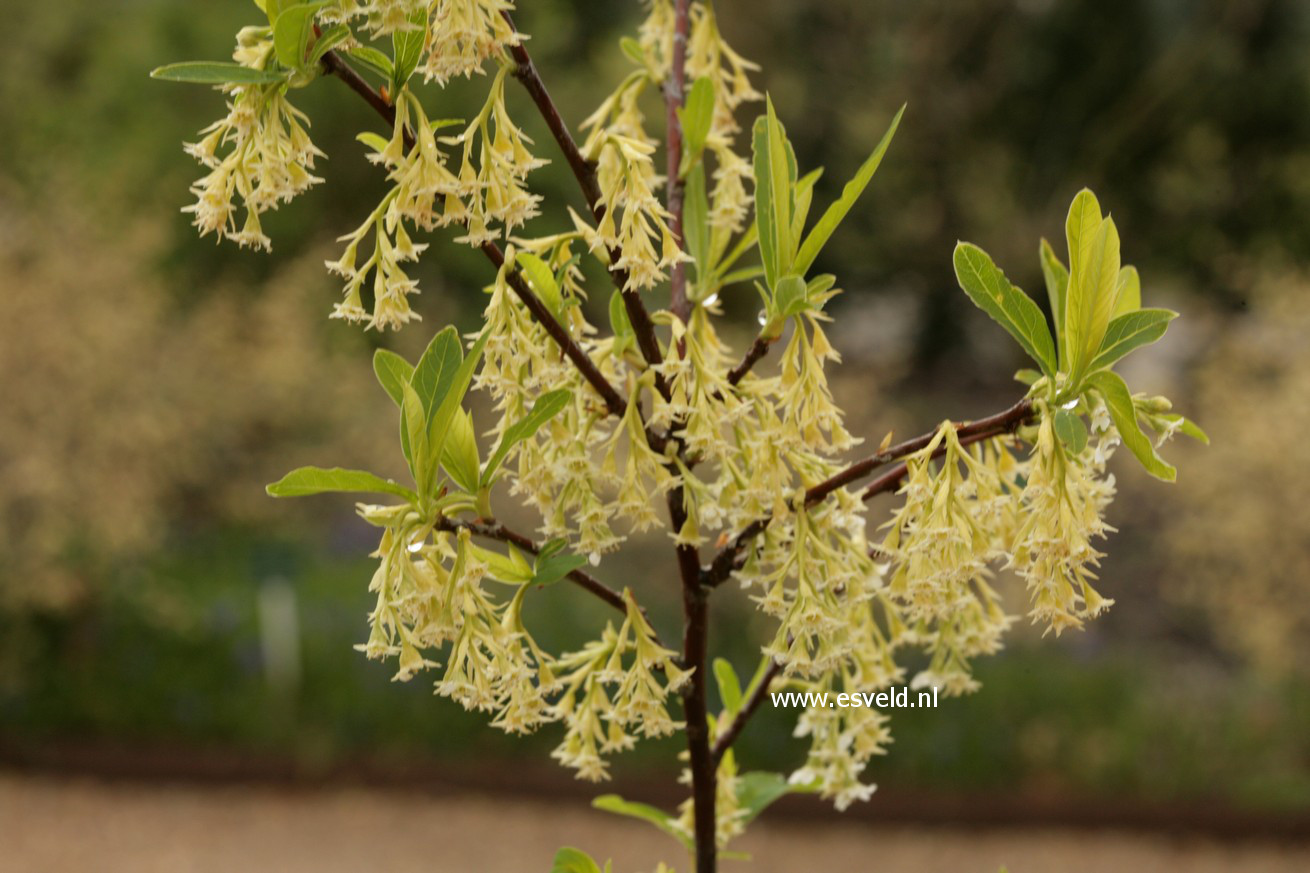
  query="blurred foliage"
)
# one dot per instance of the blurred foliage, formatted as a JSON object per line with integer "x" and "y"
{"x": 153, "y": 382}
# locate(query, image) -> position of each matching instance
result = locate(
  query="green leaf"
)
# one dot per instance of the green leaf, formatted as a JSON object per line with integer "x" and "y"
{"x": 552, "y": 568}
{"x": 625, "y": 338}
{"x": 645, "y": 812}
{"x": 1071, "y": 431}
{"x": 373, "y": 60}
{"x": 542, "y": 280}
{"x": 696, "y": 223}
{"x": 988, "y": 288}
{"x": 452, "y": 402}
{"x": 1131, "y": 331}
{"x": 764, "y": 208}
{"x": 1080, "y": 228}
{"x": 791, "y": 297}
{"x": 1057, "y": 291}
{"x": 291, "y": 32}
{"x": 1027, "y": 376}
{"x": 327, "y": 41}
{"x": 1128, "y": 295}
{"x": 757, "y": 790}
{"x": 780, "y": 177}
{"x": 544, "y": 408}
{"x": 459, "y": 454}
{"x": 317, "y": 480}
{"x": 833, "y": 216}
{"x": 1119, "y": 401}
{"x": 569, "y": 860}
{"x": 436, "y": 369}
{"x": 633, "y": 50}
{"x": 1091, "y": 300}
{"x": 407, "y": 47}
{"x": 510, "y": 568}
{"x": 729, "y": 685}
{"x": 414, "y": 435}
{"x": 393, "y": 373}
{"x": 697, "y": 115}
{"x": 216, "y": 73}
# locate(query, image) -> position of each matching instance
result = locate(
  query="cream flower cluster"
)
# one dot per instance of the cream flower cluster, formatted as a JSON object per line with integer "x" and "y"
{"x": 261, "y": 152}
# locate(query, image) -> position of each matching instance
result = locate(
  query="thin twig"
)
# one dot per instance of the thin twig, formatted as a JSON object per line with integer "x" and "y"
{"x": 585, "y": 172}
{"x": 758, "y": 350}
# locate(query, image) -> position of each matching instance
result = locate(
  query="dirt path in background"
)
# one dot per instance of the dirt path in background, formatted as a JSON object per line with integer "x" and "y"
{"x": 70, "y": 826}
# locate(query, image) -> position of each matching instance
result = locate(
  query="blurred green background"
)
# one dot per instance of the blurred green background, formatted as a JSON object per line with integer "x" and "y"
{"x": 152, "y": 382}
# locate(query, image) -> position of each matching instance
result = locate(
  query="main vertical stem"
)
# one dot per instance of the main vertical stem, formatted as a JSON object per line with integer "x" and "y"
{"x": 695, "y": 637}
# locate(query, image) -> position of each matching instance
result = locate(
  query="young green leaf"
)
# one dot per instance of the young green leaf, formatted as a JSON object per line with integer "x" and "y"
{"x": 546, "y": 407}
{"x": 317, "y": 480}
{"x": 459, "y": 455}
{"x": 393, "y": 372}
{"x": 781, "y": 174}
{"x": 697, "y": 115}
{"x": 1092, "y": 289}
{"x": 833, "y": 216}
{"x": 292, "y": 29}
{"x": 373, "y": 60}
{"x": 407, "y": 47}
{"x": 454, "y": 396}
{"x": 1186, "y": 427}
{"x": 570, "y": 860}
{"x": 1080, "y": 229}
{"x": 1057, "y": 290}
{"x": 329, "y": 39}
{"x": 510, "y": 569}
{"x": 1119, "y": 401}
{"x": 729, "y": 685}
{"x": 414, "y": 436}
{"x": 1131, "y": 331}
{"x": 1128, "y": 295}
{"x": 757, "y": 790}
{"x": 1071, "y": 430}
{"x": 644, "y": 812}
{"x": 991, "y": 292}
{"x": 764, "y": 196}
{"x": 542, "y": 280}
{"x": 550, "y": 569}
{"x": 696, "y": 223}
{"x": 435, "y": 370}
{"x": 216, "y": 73}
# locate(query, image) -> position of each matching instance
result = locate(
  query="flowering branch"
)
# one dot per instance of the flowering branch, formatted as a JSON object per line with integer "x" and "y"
{"x": 758, "y": 350}
{"x": 585, "y": 172}
{"x": 984, "y": 428}
{"x": 614, "y": 401}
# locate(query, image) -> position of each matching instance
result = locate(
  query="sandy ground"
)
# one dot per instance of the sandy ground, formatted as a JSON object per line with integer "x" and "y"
{"x": 55, "y": 826}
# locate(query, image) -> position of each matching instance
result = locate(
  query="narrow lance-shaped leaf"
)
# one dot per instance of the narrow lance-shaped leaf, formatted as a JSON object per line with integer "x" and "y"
{"x": 1080, "y": 229}
{"x": 552, "y": 568}
{"x": 696, "y": 116}
{"x": 1128, "y": 296}
{"x": 542, "y": 280}
{"x": 1119, "y": 401}
{"x": 988, "y": 288}
{"x": 327, "y": 41}
{"x": 1071, "y": 430}
{"x": 459, "y": 386}
{"x": 373, "y": 60}
{"x": 1131, "y": 331}
{"x": 644, "y": 812}
{"x": 546, "y": 407}
{"x": 413, "y": 424}
{"x": 1091, "y": 299}
{"x": 834, "y": 214}
{"x": 291, "y": 32}
{"x": 436, "y": 369}
{"x": 216, "y": 73}
{"x": 696, "y": 223}
{"x": 729, "y": 685}
{"x": 459, "y": 454}
{"x": 780, "y": 178}
{"x": 407, "y": 47}
{"x": 317, "y": 480}
{"x": 1057, "y": 290}
{"x": 764, "y": 194}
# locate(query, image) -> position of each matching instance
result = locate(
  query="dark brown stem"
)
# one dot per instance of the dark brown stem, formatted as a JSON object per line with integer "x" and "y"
{"x": 984, "y": 428}
{"x": 614, "y": 402}
{"x": 752, "y": 703}
{"x": 585, "y": 172}
{"x": 500, "y": 533}
{"x": 758, "y": 350}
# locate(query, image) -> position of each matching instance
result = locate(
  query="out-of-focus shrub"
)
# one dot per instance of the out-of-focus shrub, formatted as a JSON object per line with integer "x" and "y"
{"x": 1239, "y": 539}
{"x": 128, "y": 415}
